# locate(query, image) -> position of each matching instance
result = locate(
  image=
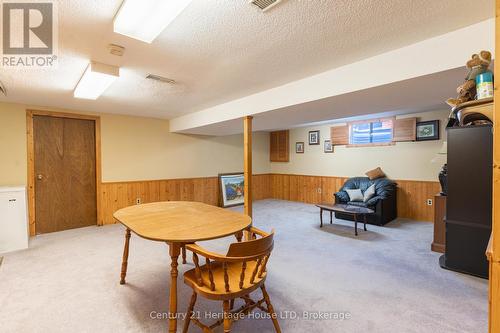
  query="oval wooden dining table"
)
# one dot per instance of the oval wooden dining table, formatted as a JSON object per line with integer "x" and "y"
{"x": 177, "y": 223}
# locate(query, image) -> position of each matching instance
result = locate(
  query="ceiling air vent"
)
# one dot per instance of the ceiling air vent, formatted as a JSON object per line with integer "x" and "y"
{"x": 160, "y": 78}
{"x": 265, "y": 5}
{"x": 116, "y": 50}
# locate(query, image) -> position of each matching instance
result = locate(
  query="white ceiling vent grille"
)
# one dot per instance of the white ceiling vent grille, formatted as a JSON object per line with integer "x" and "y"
{"x": 160, "y": 78}
{"x": 265, "y": 5}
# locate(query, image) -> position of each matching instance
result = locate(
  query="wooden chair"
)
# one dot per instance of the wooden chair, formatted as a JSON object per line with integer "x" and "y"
{"x": 228, "y": 277}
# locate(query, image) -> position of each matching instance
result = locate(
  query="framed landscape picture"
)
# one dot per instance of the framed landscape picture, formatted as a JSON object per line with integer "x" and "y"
{"x": 232, "y": 187}
{"x": 428, "y": 130}
{"x": 328, "y": 147}
{"x": 314, "y": 137}
{"x": 299, "y": 147}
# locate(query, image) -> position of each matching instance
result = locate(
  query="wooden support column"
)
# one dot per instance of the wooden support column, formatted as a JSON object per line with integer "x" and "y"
{"x": 494, "y": 247}
{"x": 247, "y": 168}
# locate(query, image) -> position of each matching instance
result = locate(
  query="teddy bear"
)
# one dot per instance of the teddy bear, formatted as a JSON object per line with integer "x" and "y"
{"x": 478, "y": 64}
{"x": 466, "y": 92}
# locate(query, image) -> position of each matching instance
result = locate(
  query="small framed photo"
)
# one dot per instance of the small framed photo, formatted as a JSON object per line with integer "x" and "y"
{"x": 328, "y": 147}
{"x": 428, "y": 130}
{"x": 314, "y": 137}
{"x": 299, "y": 147}
{"x": 231, "y": 186}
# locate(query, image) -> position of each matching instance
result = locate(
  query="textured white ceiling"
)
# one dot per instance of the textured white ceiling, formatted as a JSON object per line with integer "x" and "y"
{"x": 409, "y": 96}
{"x": 219, "y": 50}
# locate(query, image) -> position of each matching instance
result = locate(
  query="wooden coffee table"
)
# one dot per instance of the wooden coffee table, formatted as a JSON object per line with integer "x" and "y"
{"x": 355, "y": 211}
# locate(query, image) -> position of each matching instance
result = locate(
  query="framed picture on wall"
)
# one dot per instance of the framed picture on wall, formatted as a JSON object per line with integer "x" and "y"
{"x": 428, "y": 130}
{"x": 231, "y": 189}
{"x": 328, "y": 147}
{"x": 314, "y": 137}
{"x": 299, "y": 147}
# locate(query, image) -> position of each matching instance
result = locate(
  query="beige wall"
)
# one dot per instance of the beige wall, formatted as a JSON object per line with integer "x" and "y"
{"x": 142, "y": 148}
{"x": 135, "y": 148}
{"x": 405, "y": 160}
{"x": 13, "y": 164}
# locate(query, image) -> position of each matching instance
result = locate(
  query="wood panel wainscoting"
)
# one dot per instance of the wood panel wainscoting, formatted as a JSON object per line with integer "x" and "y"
{"x": 412, "y": 195}
{"x": 116, "y": 195}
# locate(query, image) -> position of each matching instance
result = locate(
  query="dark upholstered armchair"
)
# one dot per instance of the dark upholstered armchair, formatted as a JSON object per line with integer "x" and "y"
{"x": 383, "y": 203}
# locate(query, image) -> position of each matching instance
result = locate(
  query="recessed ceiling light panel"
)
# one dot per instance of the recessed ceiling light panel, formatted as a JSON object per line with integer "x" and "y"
{"x": 145, "y": 20}
{"x": 95, "y": 80}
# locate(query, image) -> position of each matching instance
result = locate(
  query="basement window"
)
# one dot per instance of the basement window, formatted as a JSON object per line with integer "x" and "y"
{"x": 373, "y": 132}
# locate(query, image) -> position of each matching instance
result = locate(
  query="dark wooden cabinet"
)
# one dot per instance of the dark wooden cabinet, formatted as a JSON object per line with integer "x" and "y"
{"x": 439, "y": 241}
{"x": 469, "y": 201}
{"x": 279, "y": 146}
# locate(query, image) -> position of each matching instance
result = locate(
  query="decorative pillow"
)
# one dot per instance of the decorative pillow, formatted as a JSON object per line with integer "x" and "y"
{"x": 369, "y": 193}
{"x": 355, "y": 195}
{"x": 375, "y": 173}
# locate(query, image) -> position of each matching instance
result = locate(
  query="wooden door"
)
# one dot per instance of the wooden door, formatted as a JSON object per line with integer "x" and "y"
{"x": 65, "y": 173}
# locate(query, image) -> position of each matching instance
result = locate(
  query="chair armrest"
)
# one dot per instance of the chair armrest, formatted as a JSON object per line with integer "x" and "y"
{"x": 373, "y": 201}
{"x": 341, "y": 196}
{"x": 195, "y": 248}
{"x": 259, "y": 232}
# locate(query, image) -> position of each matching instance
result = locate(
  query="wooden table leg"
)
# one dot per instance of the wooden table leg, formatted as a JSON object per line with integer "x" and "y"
{"x": 364, "y": 220}
{"x": 174, "y": 256}
{"x": 321, "y": 217}
{"x": 184, "y": 254}
{"x": 331, "y": 213}
{"x": 125, "y": 257}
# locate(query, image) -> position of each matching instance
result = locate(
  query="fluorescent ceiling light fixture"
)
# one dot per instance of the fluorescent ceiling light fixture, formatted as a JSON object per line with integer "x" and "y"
{"x": 95, "y": 80}
{"x": 146, "y": 19}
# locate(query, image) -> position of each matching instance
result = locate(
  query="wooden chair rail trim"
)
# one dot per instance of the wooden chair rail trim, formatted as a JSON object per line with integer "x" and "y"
{"x": 347, "y": 177}
{"x": 168, "y": 179}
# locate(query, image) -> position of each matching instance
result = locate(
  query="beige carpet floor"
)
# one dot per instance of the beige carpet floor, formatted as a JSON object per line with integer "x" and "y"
{"x": 385, "y": 280}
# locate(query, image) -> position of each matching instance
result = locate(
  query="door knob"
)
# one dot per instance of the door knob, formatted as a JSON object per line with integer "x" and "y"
{"x": 39, "y": 177}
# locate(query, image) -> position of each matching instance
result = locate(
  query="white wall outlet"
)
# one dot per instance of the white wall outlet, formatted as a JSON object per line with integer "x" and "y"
{"x": 319, "y": 189}
{"x": 138, "y": 201}
{"x": 429, "y": 202}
